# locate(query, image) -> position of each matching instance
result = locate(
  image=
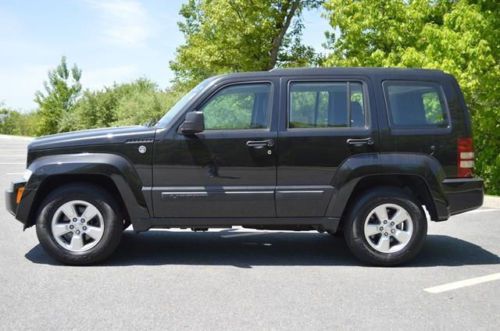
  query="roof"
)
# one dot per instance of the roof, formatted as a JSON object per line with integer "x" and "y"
{"x": 342, "y": 71}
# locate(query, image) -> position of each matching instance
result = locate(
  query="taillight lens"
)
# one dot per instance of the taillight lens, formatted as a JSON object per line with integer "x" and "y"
{"x": 465, "y": 162}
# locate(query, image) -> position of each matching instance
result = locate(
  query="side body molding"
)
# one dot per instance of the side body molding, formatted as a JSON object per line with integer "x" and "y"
{"x": 113, "y": 166}
{"x": 360, "y": 166}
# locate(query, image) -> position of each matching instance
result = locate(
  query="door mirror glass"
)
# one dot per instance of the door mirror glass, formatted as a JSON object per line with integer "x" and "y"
{"x": 193, "y": 123}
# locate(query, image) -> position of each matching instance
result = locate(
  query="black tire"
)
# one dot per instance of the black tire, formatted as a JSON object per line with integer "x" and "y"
{"x": 105, "y": 204}
{"x": 354, "y": 232}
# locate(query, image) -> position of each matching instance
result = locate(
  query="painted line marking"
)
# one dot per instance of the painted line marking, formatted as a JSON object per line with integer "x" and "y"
{"x": 12, "y": 163}
{"x": 15, "y": 173}
{"x": 462, "y": 283}
{"x": 246, "y": 234}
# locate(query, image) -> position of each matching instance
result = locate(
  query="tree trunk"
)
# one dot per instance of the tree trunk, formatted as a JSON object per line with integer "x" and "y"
{"x": 278, "y": 39}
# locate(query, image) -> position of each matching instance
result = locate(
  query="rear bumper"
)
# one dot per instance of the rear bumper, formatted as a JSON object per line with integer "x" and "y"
{"x": 10, "y": 197}
{"x": 463, "y": 194}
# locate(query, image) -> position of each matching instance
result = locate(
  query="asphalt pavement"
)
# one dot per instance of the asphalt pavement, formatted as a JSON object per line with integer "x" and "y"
{"x": 240, "y": 279}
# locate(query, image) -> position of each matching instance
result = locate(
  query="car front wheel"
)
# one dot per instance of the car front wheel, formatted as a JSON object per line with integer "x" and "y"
{"x": 79, "y": 224}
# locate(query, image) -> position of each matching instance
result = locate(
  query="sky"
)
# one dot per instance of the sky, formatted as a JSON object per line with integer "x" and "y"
{"x": 110, "y": 40}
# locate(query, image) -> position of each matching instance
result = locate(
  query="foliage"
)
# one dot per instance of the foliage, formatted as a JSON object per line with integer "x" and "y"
{"x": 61, "y": 92}
{"x": 239, "y": 35}
{"x": 460, "y": 37}
{"x": 17, "y": 123}
{"x": 138, "y": 102}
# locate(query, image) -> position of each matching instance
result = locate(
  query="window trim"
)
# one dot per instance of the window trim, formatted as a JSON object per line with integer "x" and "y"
{"x": 366, "y": 105}
{"x": 270, "y": 105}
{"x": 416, "y": 129}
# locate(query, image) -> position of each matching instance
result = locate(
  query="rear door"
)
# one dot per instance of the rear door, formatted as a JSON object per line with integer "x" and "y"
{"x": 322, "y": 123}
{"x": 419, "y": 116}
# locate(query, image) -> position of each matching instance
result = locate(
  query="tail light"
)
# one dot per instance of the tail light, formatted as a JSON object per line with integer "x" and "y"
{"x": 465, "y": 160}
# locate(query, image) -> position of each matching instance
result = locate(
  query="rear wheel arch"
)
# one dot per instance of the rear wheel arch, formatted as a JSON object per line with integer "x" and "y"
{"x": 412, "y": 184}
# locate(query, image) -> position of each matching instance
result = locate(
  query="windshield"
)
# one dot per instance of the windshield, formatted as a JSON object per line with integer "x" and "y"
{"x": 182, "y": 102}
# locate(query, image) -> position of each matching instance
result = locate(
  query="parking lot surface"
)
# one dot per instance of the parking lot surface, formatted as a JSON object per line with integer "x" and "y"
{"x": 243, "y": 279}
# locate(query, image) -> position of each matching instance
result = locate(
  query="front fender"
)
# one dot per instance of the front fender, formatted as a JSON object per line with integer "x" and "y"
{"x": 360, "y": 166}
{"x": 113, "y": 166}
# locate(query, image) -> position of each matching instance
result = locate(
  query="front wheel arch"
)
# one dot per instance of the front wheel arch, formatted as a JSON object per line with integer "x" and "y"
{"x": 54, "y": 182}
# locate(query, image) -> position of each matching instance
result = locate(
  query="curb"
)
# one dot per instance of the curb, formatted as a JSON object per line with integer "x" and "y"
{"x": 491, "y": 201}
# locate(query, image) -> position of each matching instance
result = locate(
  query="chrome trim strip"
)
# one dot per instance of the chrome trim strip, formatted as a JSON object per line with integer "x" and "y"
{"x": 185, "y": 193}
{"x": 248, "y": 192}
{"x": 301, "y": 192}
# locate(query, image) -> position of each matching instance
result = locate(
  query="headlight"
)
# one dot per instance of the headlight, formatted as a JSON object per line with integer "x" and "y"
{"x": 27, "y": 174}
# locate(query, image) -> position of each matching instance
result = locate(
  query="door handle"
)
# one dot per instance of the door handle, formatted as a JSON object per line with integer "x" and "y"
{"x": 360, "y": 141}
{"x": 260, "y": 143}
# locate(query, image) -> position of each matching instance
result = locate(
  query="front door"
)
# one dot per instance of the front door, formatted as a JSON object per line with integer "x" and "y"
{"x": 323, "y": 123}
{"x": 229, "y": 170}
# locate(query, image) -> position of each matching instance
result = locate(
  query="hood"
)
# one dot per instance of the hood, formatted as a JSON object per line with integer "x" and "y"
{"x": 93, "y": 137}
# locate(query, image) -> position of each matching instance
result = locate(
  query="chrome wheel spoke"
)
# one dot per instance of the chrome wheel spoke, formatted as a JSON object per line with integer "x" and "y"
{"x": 90, "y": 212}
{"x": 383, "y": 244}
{"x": 381, "y": 212}
{"x": 60, "y": 230}
{"x": 69, "y": 211}
{"x": 94, "y": 232}
{"x": 402, "y": 236}
{"x": 400, "y": 216}
{"x": 371, "y": 229}
{"x": 76, "y": 242}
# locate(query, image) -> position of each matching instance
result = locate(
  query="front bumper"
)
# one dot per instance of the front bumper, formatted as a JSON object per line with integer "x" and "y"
{"x": 11, "y": 196}
{"x": 463, "y": 194}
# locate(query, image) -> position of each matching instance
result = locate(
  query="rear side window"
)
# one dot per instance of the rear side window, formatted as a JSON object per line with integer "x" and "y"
{"x": 326, "y": 105}
{"x": 416, "y": 105}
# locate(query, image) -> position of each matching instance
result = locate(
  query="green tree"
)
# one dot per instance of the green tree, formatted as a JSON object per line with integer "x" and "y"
{"x": 137, "y": 102}
{"x": 17, "y": 123}
{"x": 61, "y": 92}
{"x": 460, "y": 37}
{"x": 239, "y": 35}
{"x": 142, "y": 102}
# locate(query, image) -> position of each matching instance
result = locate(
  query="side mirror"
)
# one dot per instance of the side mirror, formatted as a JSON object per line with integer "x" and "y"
{"x": 193, "y": 123}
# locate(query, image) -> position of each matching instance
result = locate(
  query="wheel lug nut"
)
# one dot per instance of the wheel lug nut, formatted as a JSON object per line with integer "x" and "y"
{"x": 381, "y": 228}
{"x": 71, "y": 227}
{"x": 392, "y": 223}
{"x": 386, "y": 234}
{"x": 77, "y": 231}
{"x": 82, "y": 220}
{"x": 74, "y": 220}
{"x": 84, "y": 228}
{"x": 385, "y": 222}
{"x": 393, "y": 231}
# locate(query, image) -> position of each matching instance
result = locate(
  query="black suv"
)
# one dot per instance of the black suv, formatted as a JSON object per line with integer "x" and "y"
{"x": 355, "y": 151}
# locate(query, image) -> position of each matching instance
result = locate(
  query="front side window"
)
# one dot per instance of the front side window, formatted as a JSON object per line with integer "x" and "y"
{"x": 325, "y": 105}
{"x": 416, "y": 104}
{"x": 238, "y": 107}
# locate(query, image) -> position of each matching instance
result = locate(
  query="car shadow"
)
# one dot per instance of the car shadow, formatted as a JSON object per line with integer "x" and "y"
{"x": 267, "y": 249}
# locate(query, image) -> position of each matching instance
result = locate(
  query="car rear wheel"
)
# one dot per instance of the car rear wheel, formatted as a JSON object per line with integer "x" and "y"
{"x": 385, "y": 227}
{"x": 79, "y": 224}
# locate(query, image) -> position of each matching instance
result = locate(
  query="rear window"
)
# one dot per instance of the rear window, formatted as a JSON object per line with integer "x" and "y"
{"x": 416, "y": 105}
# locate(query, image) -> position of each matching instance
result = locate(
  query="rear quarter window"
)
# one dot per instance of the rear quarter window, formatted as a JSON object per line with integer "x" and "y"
{"x": 416, "y": 105}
